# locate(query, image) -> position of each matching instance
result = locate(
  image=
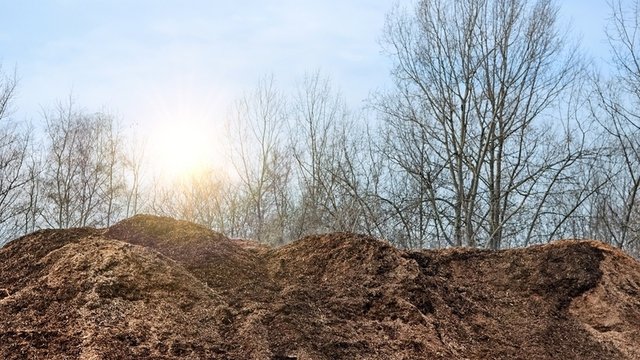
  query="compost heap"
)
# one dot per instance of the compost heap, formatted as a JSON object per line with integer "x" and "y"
{"x": 152, "y": 287}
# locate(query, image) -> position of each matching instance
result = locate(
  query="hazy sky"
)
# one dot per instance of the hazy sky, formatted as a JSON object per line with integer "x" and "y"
{"x": 140, "y": 57}
{"x": 152, "y": 61}
{"x": 131, "y": 54}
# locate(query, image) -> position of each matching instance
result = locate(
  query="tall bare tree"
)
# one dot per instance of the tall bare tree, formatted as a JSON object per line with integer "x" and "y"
{"x": 261, "y": 161}
{"x": 14, "y": 143}
{"x": 616, "y": 107}
{"x": 469, "y": 123}
{"x": 320, "y": 126}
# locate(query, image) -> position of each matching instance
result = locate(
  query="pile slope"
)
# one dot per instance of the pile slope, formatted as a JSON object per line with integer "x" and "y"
{"x": 153, "y": 287}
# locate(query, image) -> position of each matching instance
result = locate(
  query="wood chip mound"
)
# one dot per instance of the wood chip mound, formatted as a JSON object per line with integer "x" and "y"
{"x": 156, "y": 288}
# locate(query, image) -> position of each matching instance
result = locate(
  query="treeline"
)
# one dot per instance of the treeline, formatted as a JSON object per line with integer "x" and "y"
{"x": 497, "y": 132}
{"x": 71, "y": 172}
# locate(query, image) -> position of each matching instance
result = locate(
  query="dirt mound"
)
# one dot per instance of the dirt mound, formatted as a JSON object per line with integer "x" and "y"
{"x": 212, "y": 257}
{"x": 152, "y": 287}
{"x": 76, "y": 294}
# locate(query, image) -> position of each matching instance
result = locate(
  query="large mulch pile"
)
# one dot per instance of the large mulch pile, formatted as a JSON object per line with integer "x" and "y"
{"x": 156, "y": 288}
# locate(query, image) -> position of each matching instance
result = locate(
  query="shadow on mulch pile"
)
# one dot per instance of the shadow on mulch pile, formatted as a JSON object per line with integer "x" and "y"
{"x": 153, "y": 287}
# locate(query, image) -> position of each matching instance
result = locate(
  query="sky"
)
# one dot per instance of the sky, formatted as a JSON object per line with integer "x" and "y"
{"x": 132, "y": 56}
{"x": 157, "y": 63}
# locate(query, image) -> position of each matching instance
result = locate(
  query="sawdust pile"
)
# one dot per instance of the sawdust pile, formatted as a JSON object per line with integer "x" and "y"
{"x": 157, "y": 288}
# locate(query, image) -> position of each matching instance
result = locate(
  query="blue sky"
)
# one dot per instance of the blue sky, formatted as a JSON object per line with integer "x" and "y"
{"x": 151, "y": 61}
{"x": 137, "y": 57}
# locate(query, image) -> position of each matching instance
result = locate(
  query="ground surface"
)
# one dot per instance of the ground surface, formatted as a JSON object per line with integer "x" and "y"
{"x": 157, "y": 288}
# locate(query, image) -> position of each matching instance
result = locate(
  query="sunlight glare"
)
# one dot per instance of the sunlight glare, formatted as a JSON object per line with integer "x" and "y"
{"x": 184, "y": 148}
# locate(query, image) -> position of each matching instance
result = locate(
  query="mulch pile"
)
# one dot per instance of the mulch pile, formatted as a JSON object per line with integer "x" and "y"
{"x": 156, "y": 288}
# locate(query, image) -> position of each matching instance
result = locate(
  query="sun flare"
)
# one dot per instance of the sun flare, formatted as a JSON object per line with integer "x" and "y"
{"x": 184, "y": 148}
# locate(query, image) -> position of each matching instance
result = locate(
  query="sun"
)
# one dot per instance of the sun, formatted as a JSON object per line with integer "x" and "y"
{"x": 183, "y": 148}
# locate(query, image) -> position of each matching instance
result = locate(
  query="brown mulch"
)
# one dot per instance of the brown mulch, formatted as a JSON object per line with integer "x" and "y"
{"x": 156, "y": 288}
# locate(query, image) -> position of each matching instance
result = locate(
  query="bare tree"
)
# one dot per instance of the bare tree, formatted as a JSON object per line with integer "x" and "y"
{"x": 108, "y": 167}
{"x": 469, "y": 122}
{"x": 261, "y": 161}
{"x": 133, "y": 166}
{"x": 81, "y": 179}
{"x": 31, "y": 198}
{"x": 320, "y": 128}
{"x": 616, "y": 106}
{"x": 14, "y": 143}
